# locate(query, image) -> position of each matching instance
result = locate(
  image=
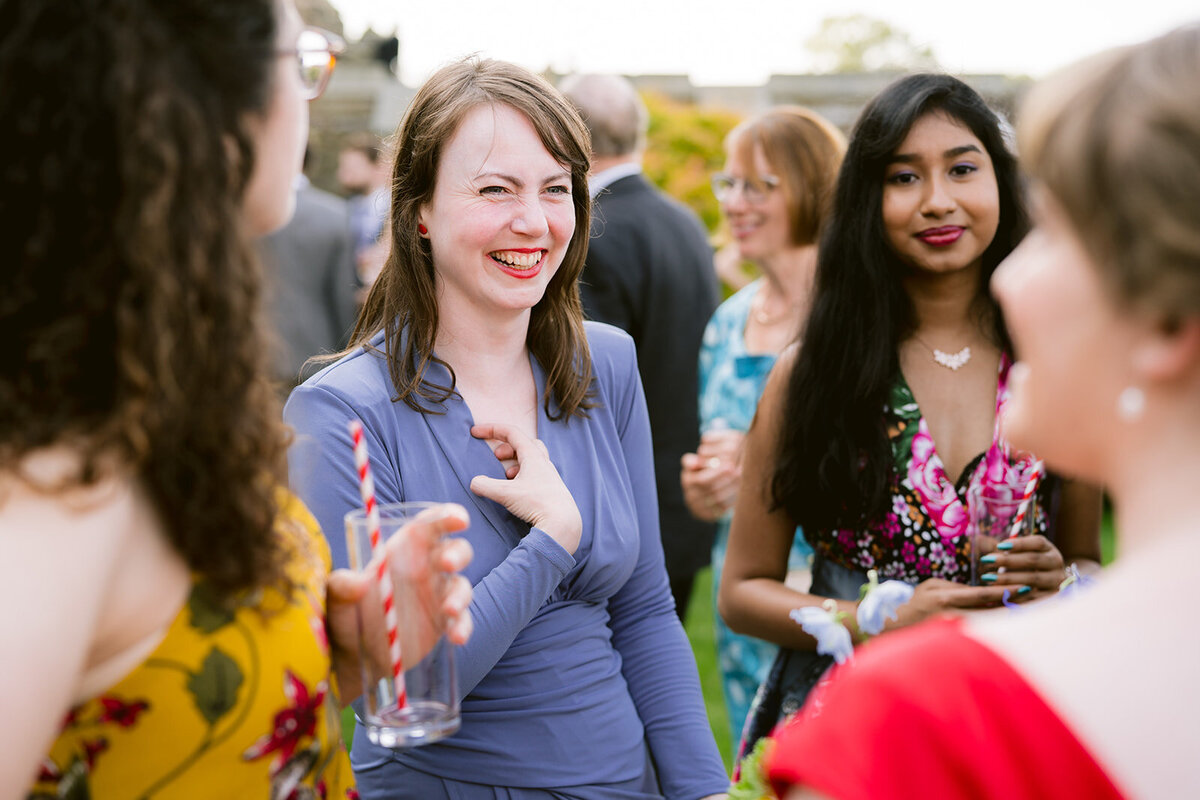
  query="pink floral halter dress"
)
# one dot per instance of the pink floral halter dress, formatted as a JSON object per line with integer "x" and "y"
{"x": 924, "y": 533}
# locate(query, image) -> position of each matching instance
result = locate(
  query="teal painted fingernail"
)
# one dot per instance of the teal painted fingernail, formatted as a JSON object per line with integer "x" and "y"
{"x": 1025, "y": 590}
{"x": 989, "y": 578}
{"x": 990, "y": 558}
{"x": 1005, "y": 545}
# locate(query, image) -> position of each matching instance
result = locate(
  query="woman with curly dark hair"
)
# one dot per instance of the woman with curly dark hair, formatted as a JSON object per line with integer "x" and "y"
{"x": 172, "y": 595}
{"x": 872, "y": 432}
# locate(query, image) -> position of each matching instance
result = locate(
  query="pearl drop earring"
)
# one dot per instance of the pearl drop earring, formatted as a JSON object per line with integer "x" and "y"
{"x": 1131, "y": 403}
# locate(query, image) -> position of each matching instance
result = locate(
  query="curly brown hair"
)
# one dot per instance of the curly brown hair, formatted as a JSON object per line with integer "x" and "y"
{"x": 403, "y": 301}
{"x": 128, "y": 304}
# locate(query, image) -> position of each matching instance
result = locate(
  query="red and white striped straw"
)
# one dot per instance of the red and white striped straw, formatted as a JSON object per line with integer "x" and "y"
{"x": 1035, "y": 477}
{"x": 366, "y": 485}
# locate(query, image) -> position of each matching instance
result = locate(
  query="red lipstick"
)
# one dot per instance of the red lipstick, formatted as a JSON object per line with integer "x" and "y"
{"x": 941, "y": 237}
{"x": 518, "y": 269}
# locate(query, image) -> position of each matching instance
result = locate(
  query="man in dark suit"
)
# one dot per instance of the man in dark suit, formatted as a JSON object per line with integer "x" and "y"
{"x": 310, "y": 283}
{"x": 649, "y": 271}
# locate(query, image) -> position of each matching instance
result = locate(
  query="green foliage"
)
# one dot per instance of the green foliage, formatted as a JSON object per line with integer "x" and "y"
{"x": 1108, "y": 535}
{"x": 348, "y": 722}
{"x": 752, "y": 784}
{"x": 685, "y": 147}
{"x": 858, "y": 43}
{"x": 702, "y": 633}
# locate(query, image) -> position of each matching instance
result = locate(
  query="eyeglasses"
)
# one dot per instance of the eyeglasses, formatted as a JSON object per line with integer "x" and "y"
{"x": 316, "y": 52}
{"x": 754, "y": 190}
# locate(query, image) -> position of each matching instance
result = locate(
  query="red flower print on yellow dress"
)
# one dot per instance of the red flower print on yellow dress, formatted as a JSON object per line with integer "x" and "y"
{"x": 93, "y": 748}
{"x": 292, "y": 724}
{"x": 49, "y": 772}
{"x": 122, "y": 713}
{"x": 71, "y": 718}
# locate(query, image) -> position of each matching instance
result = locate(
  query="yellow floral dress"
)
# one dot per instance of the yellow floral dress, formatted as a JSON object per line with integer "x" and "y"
{"x": 231, "y": 704}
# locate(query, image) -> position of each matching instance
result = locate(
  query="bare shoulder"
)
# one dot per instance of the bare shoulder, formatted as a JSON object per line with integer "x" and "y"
{"x": 42, "y": 512}
{"x": 787, "y": 358}
{"x": 774, "y": 396}
{"x": 1112, "y": 662}
{"x": 94, "y": 560}
{"x": 65, "y": 551}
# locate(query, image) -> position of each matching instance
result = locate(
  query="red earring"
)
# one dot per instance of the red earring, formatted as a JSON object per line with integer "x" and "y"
{"x": 421, "y": 229}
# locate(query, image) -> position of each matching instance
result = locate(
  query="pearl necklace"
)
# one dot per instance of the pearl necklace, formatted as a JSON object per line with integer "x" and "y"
{"x": 761, "y": 316}
{"x": 951, "y": 361}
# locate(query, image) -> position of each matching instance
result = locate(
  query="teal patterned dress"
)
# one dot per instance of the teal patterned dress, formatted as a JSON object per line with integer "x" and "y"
{"x": 731, "y": 381}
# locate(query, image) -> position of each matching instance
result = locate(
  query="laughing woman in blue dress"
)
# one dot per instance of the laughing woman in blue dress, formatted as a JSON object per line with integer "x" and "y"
{"x": 478, "y": 382}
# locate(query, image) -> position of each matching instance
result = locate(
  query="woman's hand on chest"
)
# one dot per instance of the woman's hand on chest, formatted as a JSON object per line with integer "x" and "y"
{"x": 532, "y": 489}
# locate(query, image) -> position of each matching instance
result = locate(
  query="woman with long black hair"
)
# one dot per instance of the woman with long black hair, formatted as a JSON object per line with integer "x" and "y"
{"x": 871, "y": 432}
{"x": 1103, "y": 302}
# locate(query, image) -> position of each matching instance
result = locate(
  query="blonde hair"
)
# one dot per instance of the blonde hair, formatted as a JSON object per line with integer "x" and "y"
{"x": 806, "y": 150}
{"x": 1115, "y": 140}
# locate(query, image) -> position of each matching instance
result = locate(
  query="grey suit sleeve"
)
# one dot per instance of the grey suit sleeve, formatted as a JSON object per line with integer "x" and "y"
{"x": 341, "y": 289}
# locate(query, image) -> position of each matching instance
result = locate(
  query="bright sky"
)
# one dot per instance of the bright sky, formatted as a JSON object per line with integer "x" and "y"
{"x": 744, "y": 41}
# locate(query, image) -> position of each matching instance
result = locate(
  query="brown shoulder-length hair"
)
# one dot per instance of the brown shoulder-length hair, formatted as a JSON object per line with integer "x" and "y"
{"x": 403, "y": 301}
{"x": 1115, "y": 139}
{"x": 129, "y": 295}
{"x": 806, "y": 150}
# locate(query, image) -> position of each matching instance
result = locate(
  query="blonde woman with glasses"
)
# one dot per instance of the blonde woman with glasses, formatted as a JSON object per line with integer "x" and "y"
{"x": 775, "y": 193}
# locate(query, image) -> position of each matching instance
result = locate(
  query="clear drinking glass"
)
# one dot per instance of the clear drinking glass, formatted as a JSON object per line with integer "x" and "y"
{"x": 992, "y": 511}
{"x": 428, "y": 710}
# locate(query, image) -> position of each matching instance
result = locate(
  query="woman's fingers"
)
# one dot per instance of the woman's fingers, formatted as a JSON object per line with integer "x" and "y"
{"x": 345, "y": 587}
{"x": 1025, "y": 544}
{"x": 510, "y": 435}
{"x": 724, "y": 441}
{"x": 427, "y": 527}
{"x": 1028, "y": 562}
{"x": 1045, "y": 580}
{"x": 708, "y": 471}
{"x": 970, "y": 597}
{"x": 532, "y": 489}
{"x": 457, "y": 607}
{"x": 699, "y": 504}
{"x": 1024, "y": 560}
{"x": 710, "y": 486}
{"x": 697, "y": 465}
{"x": 455, "y": 555}
{"x": 719, "y": 484}
{"x": 508, "y": 438}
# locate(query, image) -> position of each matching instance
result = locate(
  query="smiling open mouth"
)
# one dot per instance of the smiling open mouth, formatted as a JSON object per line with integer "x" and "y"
{"x": 518, "y": 259}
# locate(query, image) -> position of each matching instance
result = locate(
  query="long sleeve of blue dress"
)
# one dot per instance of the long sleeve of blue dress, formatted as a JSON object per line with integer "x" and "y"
{"x": 652, "y": 643}
{"x": 577, "y": 664}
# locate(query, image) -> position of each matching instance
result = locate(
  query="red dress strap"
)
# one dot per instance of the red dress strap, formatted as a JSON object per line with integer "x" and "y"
{"x": 933, "y": 713}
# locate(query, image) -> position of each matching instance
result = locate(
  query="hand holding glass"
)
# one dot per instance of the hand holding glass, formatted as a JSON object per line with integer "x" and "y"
{"x": 992, "y": 511}
{"x": 424, "y": 707}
